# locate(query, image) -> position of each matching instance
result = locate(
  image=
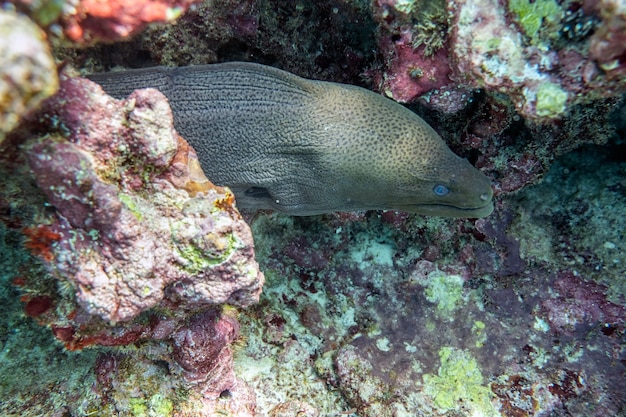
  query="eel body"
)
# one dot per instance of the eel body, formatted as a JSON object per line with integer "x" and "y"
{"x": 306, "y": 147}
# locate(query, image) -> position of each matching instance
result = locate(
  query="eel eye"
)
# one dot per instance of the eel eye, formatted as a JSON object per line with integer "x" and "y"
{"x": 440, "y": 190}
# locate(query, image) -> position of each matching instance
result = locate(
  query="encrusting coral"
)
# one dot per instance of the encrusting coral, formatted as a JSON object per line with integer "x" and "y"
{"x": 513, "y": 47}
{"x": 129, "y": 234}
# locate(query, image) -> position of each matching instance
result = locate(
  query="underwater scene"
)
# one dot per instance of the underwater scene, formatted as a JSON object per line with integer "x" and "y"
{"x": 299, "y": 208}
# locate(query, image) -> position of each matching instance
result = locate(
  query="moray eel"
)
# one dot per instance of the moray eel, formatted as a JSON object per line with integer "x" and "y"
{"x": 305, "y": 147}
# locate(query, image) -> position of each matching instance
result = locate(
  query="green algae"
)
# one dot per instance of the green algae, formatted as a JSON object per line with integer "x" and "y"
{"x": 47, "y": 12}
{"x": 405, "y": 6}
{"x": 459, "y": 379}
{"x": 478, "y": 329}
{"x": 537, "y": 17}
{"x": 201, "y": 251}
{"x": 142, "y": 387}
{"x": 551, "y": 100}
{"x": 431, "y": 27}
{"x": 155, "y": 406}
{"x": 131, "y": 205}
{"x": 444, "y": 290}
{"x": 199, "y": 259}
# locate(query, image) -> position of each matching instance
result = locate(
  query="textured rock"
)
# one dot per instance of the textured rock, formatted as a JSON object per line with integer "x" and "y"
{"x": 27, "y": 70}
{"x": 608, "y": 43}
{"x": 202, "y": 350}
{"x": 137, "y": 224}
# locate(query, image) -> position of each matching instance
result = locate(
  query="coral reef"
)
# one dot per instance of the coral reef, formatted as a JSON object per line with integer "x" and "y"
{"x": 113, "y": 241}
{"x": 398, "y": 316}
{"x": 514, "y": 47}
{"x": 510, "y": 84}
{"x": 511, "y": 105}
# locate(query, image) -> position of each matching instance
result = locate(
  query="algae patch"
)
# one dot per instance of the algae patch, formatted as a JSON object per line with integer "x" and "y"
{"x": 459, "y": 379}
{"x": 551, "y": 100}
{"x": 444, "y": 290}
{"x": 535, "y": 16}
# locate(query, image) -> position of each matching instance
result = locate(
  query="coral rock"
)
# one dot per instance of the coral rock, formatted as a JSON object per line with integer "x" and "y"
{"x": 410, "y": 72}
{"x": 488, "y": 52}
{"x": 129, "y": 238}
{"x": 28, "y": 73}
{"x": 581, "y": 302}
{"x": 544, "y": 56}
{"x": 608, "y": 43}
{"x": 203, "y": 351}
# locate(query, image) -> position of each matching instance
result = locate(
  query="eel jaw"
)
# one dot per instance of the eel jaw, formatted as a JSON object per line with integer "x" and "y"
{"x": 443, "y": 210}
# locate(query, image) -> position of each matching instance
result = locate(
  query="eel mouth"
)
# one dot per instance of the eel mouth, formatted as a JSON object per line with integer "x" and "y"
{"x": 443, "y": 210}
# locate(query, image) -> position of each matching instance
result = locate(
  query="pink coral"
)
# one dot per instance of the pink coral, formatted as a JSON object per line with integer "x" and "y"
{"x": 410, "y": 73}
{"x": 130, "y": 238}
{"x": 113, "y": 20}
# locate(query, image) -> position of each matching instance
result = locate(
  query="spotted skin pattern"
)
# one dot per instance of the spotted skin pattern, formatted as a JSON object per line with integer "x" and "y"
{"x": 306, "y": 147}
